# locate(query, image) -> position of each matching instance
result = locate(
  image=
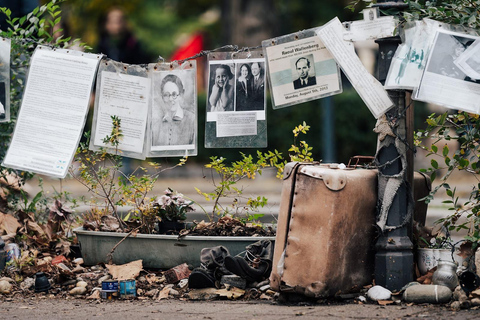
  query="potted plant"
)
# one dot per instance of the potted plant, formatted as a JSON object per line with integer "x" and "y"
{"x": 172, "y": 209}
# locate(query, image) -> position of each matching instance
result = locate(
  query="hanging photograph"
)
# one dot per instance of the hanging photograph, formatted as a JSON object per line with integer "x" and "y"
{"x": 236, "y": 113}
{"x": 443, "y": 82}
{"x": 300, "y": 69}
{"x": 173, "y": 126}
{"x": 123, "y": 91}
{"x": 469, "y": 61}
{"x": 5, "y": 46}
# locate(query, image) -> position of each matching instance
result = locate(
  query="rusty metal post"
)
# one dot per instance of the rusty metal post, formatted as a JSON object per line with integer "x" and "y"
{"x": 394, "y": 256}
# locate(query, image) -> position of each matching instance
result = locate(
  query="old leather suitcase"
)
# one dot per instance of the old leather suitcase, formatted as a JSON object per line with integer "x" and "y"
{"x": 325, "y": 233}
{"x": 324, "y": 242}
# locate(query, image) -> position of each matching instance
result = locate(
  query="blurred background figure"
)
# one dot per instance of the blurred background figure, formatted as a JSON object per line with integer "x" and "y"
{"x": 116, "y": 39}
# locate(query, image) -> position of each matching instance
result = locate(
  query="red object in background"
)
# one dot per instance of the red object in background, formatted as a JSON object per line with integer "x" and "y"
{"x": 177, "y": 273}
{"x": 192, "y": 46}
{"x": 59, "y": 259}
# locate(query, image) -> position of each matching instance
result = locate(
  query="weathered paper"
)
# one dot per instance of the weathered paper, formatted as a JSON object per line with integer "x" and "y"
{"x": 443, "y": 82}
{"x": 125, "y": 96}
{"x": 469, "y": 61}
{"x": 234, "y": 125}
{"x": 370, "y": 90}
{"x": 53, "y": 111}
{"x": 371, "y": 27}
{"x": 286, "y": 62}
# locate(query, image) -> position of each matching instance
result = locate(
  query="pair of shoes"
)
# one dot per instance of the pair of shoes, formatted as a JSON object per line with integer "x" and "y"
{"x": 211, "y": 268}
{"x": 256, "y": 265}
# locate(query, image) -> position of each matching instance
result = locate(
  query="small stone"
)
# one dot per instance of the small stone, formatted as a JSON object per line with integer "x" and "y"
{"x": 465, "y": 304}
{"x": 142, "y": 279}
{"x": 78, "y": 269}
{"x": 376, "y": 293}
{"x": 27, "y": 283}
{"x": 104, "y": 278}
{"x": 63, "y": 267}
{"x": 475, "y": 302}
{"x": 264, "y": 288}
{"x": 234, "y": 281}
{"x": 5, "y": 287}
{"x": 96, "y": 268}
{"x": 427, "y": 293}
{"x": 69, "y": 283}
{"x": 459, "y": 294}
{"x": 82, "y": 284}
{"x": 174, "y": 293}
{"x": 362, "y": 299}
{"x": 7, "y": 279}
{"x": 89, "y": 275}
{"x": 78, "y": 261}
{"x": 79, "y": 279}
{"x": 455, "y": 305}
{"x": 78, "y": 291}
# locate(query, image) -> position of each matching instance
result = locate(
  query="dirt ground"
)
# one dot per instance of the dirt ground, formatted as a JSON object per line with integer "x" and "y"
{"x": 44, "y": 307}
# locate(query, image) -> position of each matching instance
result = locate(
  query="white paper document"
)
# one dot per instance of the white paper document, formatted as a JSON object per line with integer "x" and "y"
{"x": 53, "y": 111}
{"x": 443, "y": 82}
{"x": 5, "y": 48}
{"x": 234, "y": 125}
{"x": 125, "y": 96}
{"x": 370, "y": 89}
{"x": 301, "y": 70}
{"x": 371, "y": 27}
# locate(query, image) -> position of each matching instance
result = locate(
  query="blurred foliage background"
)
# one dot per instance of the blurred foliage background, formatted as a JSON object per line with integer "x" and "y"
{"x": 161, "y": 26}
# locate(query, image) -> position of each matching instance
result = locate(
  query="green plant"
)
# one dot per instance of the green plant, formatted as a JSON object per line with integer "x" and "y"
{"x": 100, "y": 172}
{"x": 227, "y": 177}
{"x": 172, "y": 206}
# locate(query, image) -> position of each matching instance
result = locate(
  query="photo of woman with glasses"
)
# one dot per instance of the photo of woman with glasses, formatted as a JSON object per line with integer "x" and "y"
{"x": 173, "y": 120}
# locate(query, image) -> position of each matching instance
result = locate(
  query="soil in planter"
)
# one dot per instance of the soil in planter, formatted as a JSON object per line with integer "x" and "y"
{"x": 228, "y": 226}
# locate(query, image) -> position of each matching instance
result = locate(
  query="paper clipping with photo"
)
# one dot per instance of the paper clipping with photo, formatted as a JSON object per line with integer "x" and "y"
{"x": 301, "y": 70}
{"x": 443, "y": 82}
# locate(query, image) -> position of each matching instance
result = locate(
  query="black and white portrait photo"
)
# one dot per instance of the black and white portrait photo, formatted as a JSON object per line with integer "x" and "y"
{"x": 174, "y": 110}
{"x": 250, "y": 86}
{"x": 3, "y": 99}
{"x": 221, "y": 87}
{"x": 303, "y": 71}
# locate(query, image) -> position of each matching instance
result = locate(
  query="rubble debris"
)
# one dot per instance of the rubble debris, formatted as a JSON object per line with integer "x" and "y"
{"x": 177, "y": 273}
{"x": 203, "y": 294}
{"x": 5, "y": 287}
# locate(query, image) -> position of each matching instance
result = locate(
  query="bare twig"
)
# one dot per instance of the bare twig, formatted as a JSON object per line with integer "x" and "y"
{"x": 110, "y": 254}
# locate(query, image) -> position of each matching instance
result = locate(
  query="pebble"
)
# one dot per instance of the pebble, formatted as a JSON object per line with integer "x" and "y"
{"x": 152, "y": 293}
{"x": 362, "y": 299}
{"x": 455, "y": 305}
{"x": 78, "y": 291}
{"x": 104, "y": 278}
{"x": 459, "y": 294}
{"x": 27, "y": 283}
{"x": 78, "y": 269}
{"x": 264, "y": 288}
{"x": 475, "y": 302}
{"x": 376, "y": 293}
{"x": 6, "y": 279}
{"x": 96, "y": 268}
{"x": 64, "y": 267}
{"x": 427, "y": 293}
{"x": 82, "y": 284}
{"x": 78, "y": 261}
{"x": 174, "y": 293}
{"x": 5, "y": 287}
{"x": 89, "y": 275}
{"x": 234, "y": 281}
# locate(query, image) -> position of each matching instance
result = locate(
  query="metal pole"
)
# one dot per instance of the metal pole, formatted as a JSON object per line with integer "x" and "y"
{"x": 394, "y": 256}
{"x": 328, "y": 130}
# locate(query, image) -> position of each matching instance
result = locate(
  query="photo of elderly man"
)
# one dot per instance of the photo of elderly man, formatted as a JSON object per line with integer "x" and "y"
{"x": 305, "y": 72}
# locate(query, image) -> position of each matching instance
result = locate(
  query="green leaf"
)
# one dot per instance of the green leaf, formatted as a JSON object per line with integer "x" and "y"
{"x": 434, "y": 163}
{"x": 445, "y": 151}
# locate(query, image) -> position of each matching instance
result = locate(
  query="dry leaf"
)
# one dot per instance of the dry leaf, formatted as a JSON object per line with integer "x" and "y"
{"x": 94, "y": 296}
{"x": 8, "y": 224}
{"x": 127, "y": 271}
{"x": 466, "y": 249}
{"x": 233, "y": 293}
{"x": 384, "y": 302}
{"x": 62, "y": 248}
{"x": 164, "y": 293}
{"x": 151, "y": 278}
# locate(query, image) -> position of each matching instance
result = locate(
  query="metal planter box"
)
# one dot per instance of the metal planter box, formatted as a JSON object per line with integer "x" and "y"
{"x": 156, "y": 251}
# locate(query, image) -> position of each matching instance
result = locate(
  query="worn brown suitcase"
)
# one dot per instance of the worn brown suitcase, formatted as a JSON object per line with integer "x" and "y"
{"x": 325, "y": 230}
{"x": 326, "y": 227}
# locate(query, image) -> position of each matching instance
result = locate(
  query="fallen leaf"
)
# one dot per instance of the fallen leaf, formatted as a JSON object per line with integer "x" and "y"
{"x": 151, "y": 278}
{"x": 164, "y": 293}
{"x": 127, "y": 271}
{"x": 94, "y": 296}
{"x": 8, "y": 224}
{"x": 233, "y": 293}
{"x": 384, "y": 302}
